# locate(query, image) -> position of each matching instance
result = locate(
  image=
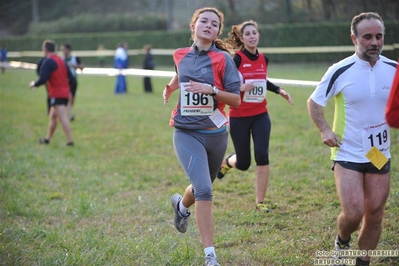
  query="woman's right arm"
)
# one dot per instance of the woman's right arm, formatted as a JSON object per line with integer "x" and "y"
{"x": 169, "y": 88}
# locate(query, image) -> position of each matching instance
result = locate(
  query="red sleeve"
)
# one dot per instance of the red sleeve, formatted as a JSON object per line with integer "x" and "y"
{"x": 392, "y": 110}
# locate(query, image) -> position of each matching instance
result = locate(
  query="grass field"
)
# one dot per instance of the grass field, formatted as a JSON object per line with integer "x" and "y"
{"x": 105, "y": 201}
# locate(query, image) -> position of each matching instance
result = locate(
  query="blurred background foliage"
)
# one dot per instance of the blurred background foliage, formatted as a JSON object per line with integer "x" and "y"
{"x": 86, "y": 24}
{"x": 21, "y": 17}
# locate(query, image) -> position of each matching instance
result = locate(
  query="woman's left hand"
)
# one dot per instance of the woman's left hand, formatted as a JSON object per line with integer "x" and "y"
{"x": 198, "y": 87}
{"x": 286, "y": 95}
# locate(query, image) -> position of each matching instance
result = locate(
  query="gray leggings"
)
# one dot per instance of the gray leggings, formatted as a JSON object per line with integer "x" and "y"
{"x": 200, "y": 153}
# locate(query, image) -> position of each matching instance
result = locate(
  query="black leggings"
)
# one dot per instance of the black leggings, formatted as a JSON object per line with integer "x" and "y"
{"x": 241, "y": 129}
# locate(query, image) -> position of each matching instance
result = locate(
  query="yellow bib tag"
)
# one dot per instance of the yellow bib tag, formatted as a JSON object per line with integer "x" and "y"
{"x": 376, "y": 157}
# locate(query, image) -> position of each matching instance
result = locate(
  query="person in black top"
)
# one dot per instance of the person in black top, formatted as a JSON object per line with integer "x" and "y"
{"x": 148, "y": 63}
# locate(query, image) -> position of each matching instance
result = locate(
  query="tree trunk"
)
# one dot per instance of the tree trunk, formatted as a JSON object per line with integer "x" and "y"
{"x": 35, "y": 11}
{"x": 328, "y": 9}
{"x": 288, "y": 8}
{"x": 365, "y": 6}
{"x": 232, "y": 7}
{"x": 309, "y": 5}
{"x": 383, "y": 8}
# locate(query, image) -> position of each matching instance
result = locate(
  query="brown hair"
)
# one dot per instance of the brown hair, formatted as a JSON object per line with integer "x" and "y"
{"x": 362, "y": 16}
{"x": 122, "y": 44}
{"x": 218, "y": 43}
{"x": 234, "y": 37}
{"x": 68, "y": 46}
{"x": 49, "y": 45}
{"x": 147, "y": 47}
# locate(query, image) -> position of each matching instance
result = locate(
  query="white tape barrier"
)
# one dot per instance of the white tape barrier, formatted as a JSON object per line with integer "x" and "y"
{"x": 150, "y": 73}
{"x": 126, "y": 72}
{"x": 293, "y": 82}
{"x": 15, "y": 64}
{"x": 157, "y": 73}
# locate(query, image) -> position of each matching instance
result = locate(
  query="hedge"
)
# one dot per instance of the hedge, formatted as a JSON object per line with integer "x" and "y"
{"x": 279, "y": 35}
{"x": 88, "y": 23}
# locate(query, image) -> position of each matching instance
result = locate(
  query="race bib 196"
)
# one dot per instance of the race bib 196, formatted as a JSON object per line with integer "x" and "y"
{"x": 194, "y": 103}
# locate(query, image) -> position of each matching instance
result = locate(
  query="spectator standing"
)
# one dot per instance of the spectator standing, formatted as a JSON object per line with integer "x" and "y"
{"x": 148, "y": 63}
{"x": 100, "y": 57}
{"x": 3, "y": 57}
{"x": 121, "y": 62}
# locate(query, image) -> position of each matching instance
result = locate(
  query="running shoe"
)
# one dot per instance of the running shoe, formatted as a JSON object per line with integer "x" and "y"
{"x": 211, "y": 260}
{"x": 180, "y": 221}
{"x": 262, "y": 208}
{"x": 44, "y": 141}
{"x": 340, "y": 247}
{"x": 225, "y": 167}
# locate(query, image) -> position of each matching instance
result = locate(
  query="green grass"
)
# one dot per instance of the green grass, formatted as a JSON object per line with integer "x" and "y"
{"x": 105, "y": 201}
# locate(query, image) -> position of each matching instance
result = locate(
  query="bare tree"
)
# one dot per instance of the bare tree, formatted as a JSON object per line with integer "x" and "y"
{"x": 288, "y": 9}
{"x": 232, "y": 6}
{"x": 308, "y": 5}
{"x": 169, "y": 7}
{"x": 396, "y": 5}
{"x": 35, "y": 11}
{"x": 328, "y": 9}
{"x": 365, "y": 5}
{"x": 261, "y": 6}
{"x": 383, "y": 8}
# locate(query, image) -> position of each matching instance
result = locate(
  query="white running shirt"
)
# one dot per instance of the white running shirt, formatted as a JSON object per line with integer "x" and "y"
{"x": 361, "y": 93}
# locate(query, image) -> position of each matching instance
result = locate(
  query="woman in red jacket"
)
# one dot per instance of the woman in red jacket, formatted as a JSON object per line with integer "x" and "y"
{"x": 392, "y": 111}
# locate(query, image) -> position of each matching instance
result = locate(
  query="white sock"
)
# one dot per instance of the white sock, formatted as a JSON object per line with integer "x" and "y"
{"x": 183, "y": 210}
{"x": 209, "y": 250}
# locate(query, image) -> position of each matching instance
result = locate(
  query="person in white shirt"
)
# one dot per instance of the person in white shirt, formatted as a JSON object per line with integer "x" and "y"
{"x": 360, "y": 85}
{"x": 121, "y": 62}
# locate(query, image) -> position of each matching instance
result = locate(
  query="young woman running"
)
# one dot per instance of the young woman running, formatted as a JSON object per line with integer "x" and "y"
{"x": 251, "y": 117}
{"x": 208, "y": 80}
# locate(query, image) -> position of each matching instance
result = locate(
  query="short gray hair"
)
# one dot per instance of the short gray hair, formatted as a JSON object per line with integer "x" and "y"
{"x": 362, "y": 16}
